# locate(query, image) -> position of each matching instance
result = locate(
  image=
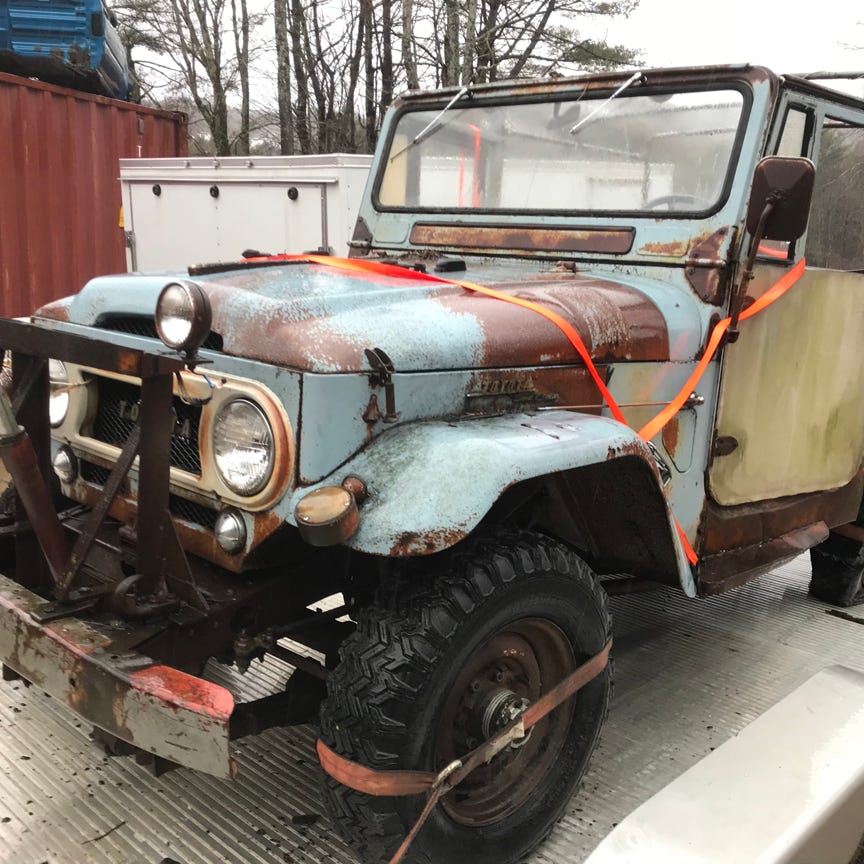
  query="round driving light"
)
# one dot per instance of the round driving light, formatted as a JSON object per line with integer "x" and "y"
{"x": 327, "y": 516}
{"x": 58, "y": 403}
{"x": 183, "y": 316}
{"x": 65, "y": 465}
{"x": 230, "y": 531}
{"x": 243, "y": 447}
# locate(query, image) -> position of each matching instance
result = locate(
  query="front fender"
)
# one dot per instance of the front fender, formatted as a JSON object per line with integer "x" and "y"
{"x": 431, "y": 483}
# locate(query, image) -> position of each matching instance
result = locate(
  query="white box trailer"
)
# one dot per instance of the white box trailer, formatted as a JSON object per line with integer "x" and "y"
{"x": 179, "y": 211}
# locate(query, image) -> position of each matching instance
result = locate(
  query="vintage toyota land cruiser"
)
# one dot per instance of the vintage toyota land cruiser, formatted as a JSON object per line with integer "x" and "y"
{"x": 576, "y": 337}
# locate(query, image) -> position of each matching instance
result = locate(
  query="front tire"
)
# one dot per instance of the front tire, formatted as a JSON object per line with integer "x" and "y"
{"x": 437, "y": 665}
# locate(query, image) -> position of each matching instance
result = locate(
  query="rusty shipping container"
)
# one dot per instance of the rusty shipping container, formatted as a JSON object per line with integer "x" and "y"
{"x": 60, "y": 186}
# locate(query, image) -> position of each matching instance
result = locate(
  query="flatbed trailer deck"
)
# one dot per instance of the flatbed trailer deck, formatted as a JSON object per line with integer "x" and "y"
{"x": 689, "y": 675}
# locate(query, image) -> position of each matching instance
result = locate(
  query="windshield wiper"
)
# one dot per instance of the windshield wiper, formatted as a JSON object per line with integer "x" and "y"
{"x": 433, "y": 125}
{"x": 633, "y": 79}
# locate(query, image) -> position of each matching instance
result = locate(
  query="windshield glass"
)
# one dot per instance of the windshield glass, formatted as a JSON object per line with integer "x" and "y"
{"x": 661, "y": 152}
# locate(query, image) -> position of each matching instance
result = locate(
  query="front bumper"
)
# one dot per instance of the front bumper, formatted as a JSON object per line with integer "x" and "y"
{"x": 155, "y": 708}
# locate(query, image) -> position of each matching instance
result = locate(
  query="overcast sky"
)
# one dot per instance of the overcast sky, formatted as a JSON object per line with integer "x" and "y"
{"x": 790, "y": 36}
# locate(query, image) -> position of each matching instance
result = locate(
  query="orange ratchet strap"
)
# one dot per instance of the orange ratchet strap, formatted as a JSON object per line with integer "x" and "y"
{"x": 650, "y": 429}
{"x": 398, "y": 783}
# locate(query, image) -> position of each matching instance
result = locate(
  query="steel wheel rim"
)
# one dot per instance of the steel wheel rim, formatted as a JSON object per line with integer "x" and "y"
{"x": 521, "y": 661}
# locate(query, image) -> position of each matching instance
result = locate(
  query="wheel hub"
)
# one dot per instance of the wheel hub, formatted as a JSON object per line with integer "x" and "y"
{"x": 499, "y": 709}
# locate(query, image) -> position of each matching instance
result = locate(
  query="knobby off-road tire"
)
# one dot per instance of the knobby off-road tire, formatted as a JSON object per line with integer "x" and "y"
{"x": 432, "y": 661}
{"x": 838, "y": 568}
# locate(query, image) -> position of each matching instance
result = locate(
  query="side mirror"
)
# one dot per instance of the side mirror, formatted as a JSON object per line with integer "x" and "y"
{"x": 786, "y": 184}
{"x": 778, "y": 210}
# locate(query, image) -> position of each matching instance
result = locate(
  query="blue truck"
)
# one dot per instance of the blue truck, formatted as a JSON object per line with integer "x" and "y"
{"x": 73, "y": 43}
{"x": 588, "y": 327}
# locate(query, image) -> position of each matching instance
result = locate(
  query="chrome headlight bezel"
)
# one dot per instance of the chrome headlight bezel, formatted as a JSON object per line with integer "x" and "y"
{"x": 227, "y": 426}
{"x": 183, "y": 316}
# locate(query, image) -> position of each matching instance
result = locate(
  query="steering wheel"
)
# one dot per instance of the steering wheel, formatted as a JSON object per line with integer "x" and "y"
{"x": 669, "y": 200}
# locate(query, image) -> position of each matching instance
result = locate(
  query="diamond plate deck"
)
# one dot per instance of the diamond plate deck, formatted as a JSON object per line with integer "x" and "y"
{"x": 690, "y": 673}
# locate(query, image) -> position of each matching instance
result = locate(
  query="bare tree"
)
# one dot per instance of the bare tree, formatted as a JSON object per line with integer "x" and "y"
{"x": 208, "y": 42}
{"x": 339, "y": 62}
{"x": 386, "y": 41}
{"x": 194, "y": 31}
{"x": 299, "y": 37}
{"x": 366, "y": 17}
{"x": 283, "y": 78}
{"x": 485, "y": 40}
{"x": 136, "y": 35}
{"x": 240, "y": 26}
{"x": 409, "y": 51}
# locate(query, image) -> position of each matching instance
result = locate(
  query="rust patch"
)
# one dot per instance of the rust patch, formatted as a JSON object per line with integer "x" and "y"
{"x": 615, "y": 322}
{"x": 263, "y": 525}
{"x": 631, "y": 448}
{"x": 291, "y": 335}
{"x": 300, "y": 344}
{"x": 670, "y": 436}
{"x": 199, "y": 540}
{"x": 55, "y": 311}
{"x": 356, "y": 487}
{"x": 496, "y": 390}
{"x": 410, "y": 543}
{"x": 701, "y": 251}
{"x": 74, "y": 646}
{"x": 555, "y": 238}
{"x": 730, "y": 569}
{"x": 76, "y": 695}
{"x": 675, "y": 249}
{"x": 709, "y": 283}
{"x": 120, "y": 714}
{"x": 707, "y": 246}
{"x": 571, "y": 386}
{"x": 127, "y": 362}
{"x": 726, "y": 528}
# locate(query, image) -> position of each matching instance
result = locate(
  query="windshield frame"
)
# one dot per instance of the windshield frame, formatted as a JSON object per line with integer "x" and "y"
{"x": 569, "y": 96}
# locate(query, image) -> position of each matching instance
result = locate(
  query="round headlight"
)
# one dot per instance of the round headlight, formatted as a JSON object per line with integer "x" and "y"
{"x": 230, "y": 531}
{"x": 65, "y": 465}
{"x": 243, "y": 446}
{"x": 183, "y": 316}
{"x": 58, "y": 403}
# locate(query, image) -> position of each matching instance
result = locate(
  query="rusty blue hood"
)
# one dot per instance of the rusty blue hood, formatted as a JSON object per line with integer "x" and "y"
{"x": 319, "y": 318}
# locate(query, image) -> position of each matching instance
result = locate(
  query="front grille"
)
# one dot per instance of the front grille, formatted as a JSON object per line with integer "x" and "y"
{"x": 182, "y": 508}
{"x": 140, "y": 325}
{"x": 93, "y": 473}
{"x": 116, "y": 417}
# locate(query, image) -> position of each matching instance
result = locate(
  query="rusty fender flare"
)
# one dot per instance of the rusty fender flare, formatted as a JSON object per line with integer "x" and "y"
{"x": 431, "y": 483}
